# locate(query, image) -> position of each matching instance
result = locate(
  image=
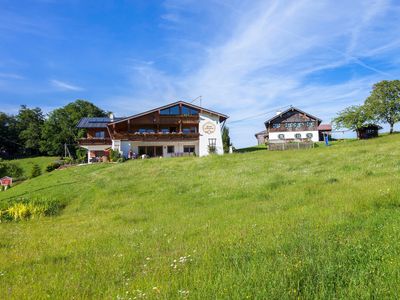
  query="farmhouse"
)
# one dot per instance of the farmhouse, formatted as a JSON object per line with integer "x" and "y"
{"x": 176, "y": 129}
{"x": 293, "y": 124}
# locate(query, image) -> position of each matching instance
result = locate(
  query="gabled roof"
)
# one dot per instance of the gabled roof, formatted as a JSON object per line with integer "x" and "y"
{"x": 222, "y": 117}
{"x": 261, "y": 132}
{"x": 371, "y": 126}
{"x": 97, "y": 122}
{"x": 326, "y": 127}
{"x": 292, "y": 108}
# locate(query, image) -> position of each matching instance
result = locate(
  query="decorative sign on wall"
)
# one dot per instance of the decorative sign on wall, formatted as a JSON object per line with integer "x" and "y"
{"x": 209, "y": 128}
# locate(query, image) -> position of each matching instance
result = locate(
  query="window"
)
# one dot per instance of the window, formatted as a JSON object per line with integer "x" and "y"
{"x": 281, "y": 136}
{"x": 188, "y": 149}
{"x": 276, "y": 125}
{"x": 212, "y": 142}
{"x": 310, "y": 124}
{"x": 309, "y": 135}
{"x": 165, "y": 130}
{"x": 142, "y": 130}
{"x": 99, "y": 134}
{"x": 171, "y": 149}
{"x": 189, "y": 130}
{"x": 174, "y": 110}
{"x": 189, "y": 111}
{"x": 297, "y": 136}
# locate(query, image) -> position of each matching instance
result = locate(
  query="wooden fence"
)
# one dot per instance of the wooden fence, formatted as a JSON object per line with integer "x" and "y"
{"x": 290, "y": 146}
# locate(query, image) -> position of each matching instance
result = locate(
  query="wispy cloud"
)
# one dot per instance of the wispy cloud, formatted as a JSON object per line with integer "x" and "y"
{"x": 65, "y": 86}
{"x": 268, "y": 55}
{"x": 10, "y": 76}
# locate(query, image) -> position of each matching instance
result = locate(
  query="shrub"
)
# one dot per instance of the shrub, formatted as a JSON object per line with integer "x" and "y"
{"x": 114, "y": 155}
{"x": 68, "y": 160}
{"x": 23, "y": 209}
{"x": 10, "y": 169}
{"x": 81, "y": 155}
{"x": 52, "y": 166}
{"x": 36, "y": 171}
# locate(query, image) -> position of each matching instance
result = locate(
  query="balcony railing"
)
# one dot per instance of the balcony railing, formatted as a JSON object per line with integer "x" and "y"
{"x": 156, "y": 136}
{"x": 94, "y": 141}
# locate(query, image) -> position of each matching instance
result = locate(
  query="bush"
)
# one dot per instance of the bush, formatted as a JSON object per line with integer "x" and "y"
{"x": 23, "y": 209}
{"x": 81, "y": 155}
{"x": 68, "y": 160}
{"x": 53, "y": 166}
{"x": 36, "y": 171}
{"x": 11, "y": 170}
{"x": 114, "y": 155}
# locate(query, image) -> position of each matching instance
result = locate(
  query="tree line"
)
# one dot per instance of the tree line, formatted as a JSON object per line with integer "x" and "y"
{"x": 31, "y": 132}
{"x": 381, "y": 106}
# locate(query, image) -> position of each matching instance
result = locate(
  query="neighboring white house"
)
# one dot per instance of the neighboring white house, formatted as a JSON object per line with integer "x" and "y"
{"x": 293, "y": 124}
{"x": 176, "y": 129}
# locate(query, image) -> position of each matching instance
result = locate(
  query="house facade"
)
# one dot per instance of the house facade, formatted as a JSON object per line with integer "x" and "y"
{"x": 176, "y": 129}
{"x": 292, "y": 124}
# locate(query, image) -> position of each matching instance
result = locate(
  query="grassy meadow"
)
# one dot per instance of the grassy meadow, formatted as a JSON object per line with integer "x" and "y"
{"x": 27, "y": 163}
{"x": 318, "y": 223}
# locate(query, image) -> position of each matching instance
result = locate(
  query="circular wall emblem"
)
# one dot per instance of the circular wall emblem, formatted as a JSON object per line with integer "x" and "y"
{"x": 209, "y": 128}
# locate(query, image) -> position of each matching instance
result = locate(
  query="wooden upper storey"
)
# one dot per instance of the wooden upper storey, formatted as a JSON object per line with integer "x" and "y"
{"x": 292, "y": 119}
{"x": 179, "y": 120}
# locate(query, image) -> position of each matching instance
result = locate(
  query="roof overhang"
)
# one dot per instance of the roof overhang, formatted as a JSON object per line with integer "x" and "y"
{"x": 222, "y": 117}
{"x": 292, "y": 108}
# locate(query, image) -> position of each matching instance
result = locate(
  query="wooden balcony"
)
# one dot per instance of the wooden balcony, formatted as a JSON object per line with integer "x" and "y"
{"x": 144, "y": 137}
{"x": 94, "y": 141}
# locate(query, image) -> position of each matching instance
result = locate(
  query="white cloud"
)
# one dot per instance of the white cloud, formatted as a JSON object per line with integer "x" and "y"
{"x": 269, "y": 52}
{"x": 10, "y": 76}
{"x": 65, "y": 86}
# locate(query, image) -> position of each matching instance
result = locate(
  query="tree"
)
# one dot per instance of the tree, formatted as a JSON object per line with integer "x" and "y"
{"x": 384, "y": 102}
{"x": 36, "y": 171}
{"x": 60, "y": 127}
{"x": 353, "y": 117}
{"x": 9, "y": 140}
{"x": 226, "y": 140}
{"x": 29, "y": 126}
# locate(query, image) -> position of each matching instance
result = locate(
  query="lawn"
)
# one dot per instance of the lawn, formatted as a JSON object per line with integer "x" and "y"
{"x": 27, "y": 163}
{"x": 318, "y": 223}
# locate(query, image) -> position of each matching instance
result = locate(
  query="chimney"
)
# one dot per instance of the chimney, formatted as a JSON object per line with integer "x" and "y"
{"x": 111, "y": 115}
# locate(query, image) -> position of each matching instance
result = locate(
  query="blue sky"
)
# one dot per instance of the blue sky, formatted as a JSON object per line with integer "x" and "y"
{"x": 245, "y": 58}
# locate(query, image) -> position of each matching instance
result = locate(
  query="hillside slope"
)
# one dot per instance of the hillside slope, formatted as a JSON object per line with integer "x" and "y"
{"x": 313, "y": 223}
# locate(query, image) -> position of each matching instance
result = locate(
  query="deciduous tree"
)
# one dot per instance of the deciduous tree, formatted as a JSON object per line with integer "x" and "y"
{"x": 353, "y": 117}
{"x": 384, "y": 102}
{"x": 60, "y": 127}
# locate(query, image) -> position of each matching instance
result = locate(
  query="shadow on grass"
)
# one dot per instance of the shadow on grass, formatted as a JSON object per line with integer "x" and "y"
{"x": 37, "y": 190}
{"x": 251, "y": 149}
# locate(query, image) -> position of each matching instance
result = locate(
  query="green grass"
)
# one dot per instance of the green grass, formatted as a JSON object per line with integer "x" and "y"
{"x": 27, "y": 163}
{"x": 319, "y": 223}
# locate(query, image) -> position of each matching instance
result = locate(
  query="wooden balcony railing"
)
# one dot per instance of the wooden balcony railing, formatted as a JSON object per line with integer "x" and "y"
{"x": 156, "y": 136}
{"x": 94, "y": 141}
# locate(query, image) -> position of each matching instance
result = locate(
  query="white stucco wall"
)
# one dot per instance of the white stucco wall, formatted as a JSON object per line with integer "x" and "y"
{"x": 124, "y": 148}
{"x": 210, "y": 122}
{"x": 291, "y": 135}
